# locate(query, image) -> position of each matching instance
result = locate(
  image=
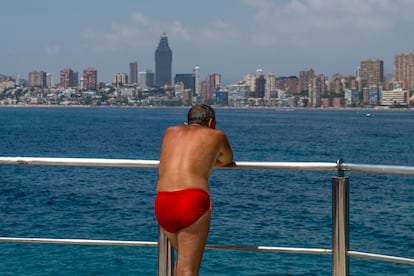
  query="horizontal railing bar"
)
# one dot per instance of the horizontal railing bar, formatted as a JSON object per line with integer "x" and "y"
{"x": 154, "y": 163}
{"x": 270, "y": 249}
{"x": 154, "y": 244}
{"x": 314, "y": 166}
{"x": 310, "y": 166}
{"x": 385, "y": 169}
{"x": 379, "y": 257}
{"x": 79, "y": 241}
{"x": 94, "y": 162}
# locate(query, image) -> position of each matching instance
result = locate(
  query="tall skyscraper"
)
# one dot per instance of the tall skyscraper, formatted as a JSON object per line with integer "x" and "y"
{"x": 305, "y": 78}
{"x": 163, "y": 63}
{"x": 259, "y": 84}
{"x": 150, "y": 78}
{"x": 188, "y": 80}
{"x": 208, "y": 88}
{"x": 133, "y": 72}
{"x": 142, "y": 80}
{"x": 90, "y": 78}
{"x": 404, "y": 70}
{"x": 75, "y": 80}
{"x": 371, "y": 72}
{"x": 146, "y": 79}
{"x": 66, "y": 77}
{"x": 50, "y": 80}
{"x": 270, "y": 84}
{"x": 250, "y": 80}
{"x": 37, "y": 78}
{"x": 316, "y": 90}
{"x": 196, "y": 72}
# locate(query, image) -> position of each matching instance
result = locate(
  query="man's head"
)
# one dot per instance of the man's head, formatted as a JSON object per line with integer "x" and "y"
{"x": 202, "y": 114}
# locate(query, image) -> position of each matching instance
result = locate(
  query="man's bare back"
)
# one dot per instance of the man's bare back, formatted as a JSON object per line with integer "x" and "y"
{"x": 188, "y": 155}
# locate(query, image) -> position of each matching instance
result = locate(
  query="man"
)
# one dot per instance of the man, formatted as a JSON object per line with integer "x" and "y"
{"x": 182, "y": 205}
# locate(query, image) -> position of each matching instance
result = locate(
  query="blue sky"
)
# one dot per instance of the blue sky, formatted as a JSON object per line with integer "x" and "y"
{"x": 231, "y": 37}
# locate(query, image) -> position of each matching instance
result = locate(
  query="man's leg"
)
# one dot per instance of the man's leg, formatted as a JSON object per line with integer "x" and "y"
{"x": 191, "y": 243}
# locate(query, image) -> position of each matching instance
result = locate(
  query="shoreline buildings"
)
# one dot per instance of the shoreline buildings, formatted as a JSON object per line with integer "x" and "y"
{"x": 368, "y": 87}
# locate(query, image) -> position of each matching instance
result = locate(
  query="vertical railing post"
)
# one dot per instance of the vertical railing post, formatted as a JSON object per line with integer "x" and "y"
{"x": 340, "y": 224}
{"x": 165, "y": 255}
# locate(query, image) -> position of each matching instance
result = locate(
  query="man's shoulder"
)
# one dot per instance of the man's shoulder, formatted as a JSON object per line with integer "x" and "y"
{"x": 175, "y": 128}
{"x": 179, "y": 128}
{"x": 219, "y": 132}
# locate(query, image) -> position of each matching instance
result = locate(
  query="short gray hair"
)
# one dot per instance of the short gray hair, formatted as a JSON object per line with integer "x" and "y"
{"x": 200, "y": 114}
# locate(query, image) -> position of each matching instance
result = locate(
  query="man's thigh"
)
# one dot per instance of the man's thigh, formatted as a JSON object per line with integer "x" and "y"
{"x": 192, "y": 240}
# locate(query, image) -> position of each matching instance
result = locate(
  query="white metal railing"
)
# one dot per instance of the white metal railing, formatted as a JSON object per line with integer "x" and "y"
{"x": 340, "y": 209}
{"x": 309, "y": 166}
{"x": 79, "y": 241}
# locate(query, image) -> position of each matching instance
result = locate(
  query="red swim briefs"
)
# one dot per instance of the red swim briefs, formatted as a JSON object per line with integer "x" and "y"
{"x": 176, "y": 210}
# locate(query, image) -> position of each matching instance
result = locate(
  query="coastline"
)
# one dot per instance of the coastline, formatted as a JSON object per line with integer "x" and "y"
{"x": 382, "y": 108}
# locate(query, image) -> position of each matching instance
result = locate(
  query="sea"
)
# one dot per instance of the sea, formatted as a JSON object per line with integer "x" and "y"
{"x": 279, "y": 208}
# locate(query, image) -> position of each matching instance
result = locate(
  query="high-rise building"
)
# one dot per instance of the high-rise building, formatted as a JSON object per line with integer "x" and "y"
{"x": 305, "y": 78}
{"x": 75, "y": 80}
{"x": 50, "y": 80}
{"x": 37, "y": 78}
{"x": 90, "y": 77}
{"x": 66, "y": 77}
{"x": 410, "y": 76}
{"x": 404, "y": 70}
{"x": 250, "y": 79}
{"x": 316, "y": 89}
{"x": 142, "y": 80}
{"x": 260, "y": 86}
{"x": 133, "y": 72}
{"x": 196, "y": 72}
{"x": 163, "y": 63}
{"x": 371, "y": 72}
{"x": 208, "y": 88}
{"x": 288, "y": 84}
{"x": 150, "y": 78}
{"x": 270, "y": 84}
{"x": 146, "y": 79}
{"x": 188, "y": 81}
{"x": 120, "y": 79}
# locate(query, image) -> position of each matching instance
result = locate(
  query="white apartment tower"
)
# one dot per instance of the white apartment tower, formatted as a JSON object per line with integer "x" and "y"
{"x": 50, "y": 80}
{"x": 196, "y": 72}
{"x": 270, "y": 84}
{"x": 250, "y": 79}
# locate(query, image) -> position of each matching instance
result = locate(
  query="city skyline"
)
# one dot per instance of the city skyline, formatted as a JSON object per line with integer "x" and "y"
{"x": 231, "y": 38}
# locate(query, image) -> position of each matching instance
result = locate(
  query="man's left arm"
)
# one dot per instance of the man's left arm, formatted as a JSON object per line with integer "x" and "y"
{"x": 225, "y": 158}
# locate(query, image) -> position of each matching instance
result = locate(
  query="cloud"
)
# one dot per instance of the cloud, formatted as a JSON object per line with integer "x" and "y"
{"x": 219, "y": 32}
{"x": 302, "y": 23}
{"x": 306, "y": 29}
{"x": 52, "y": 50}
{"x": 141, "y": 32}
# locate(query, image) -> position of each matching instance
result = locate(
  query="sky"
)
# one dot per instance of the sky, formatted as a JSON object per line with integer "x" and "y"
{"x": 228, "y": 37}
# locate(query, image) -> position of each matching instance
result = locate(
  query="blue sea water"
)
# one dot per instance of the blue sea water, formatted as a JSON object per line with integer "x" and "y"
{"x": 251, "y": 207}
